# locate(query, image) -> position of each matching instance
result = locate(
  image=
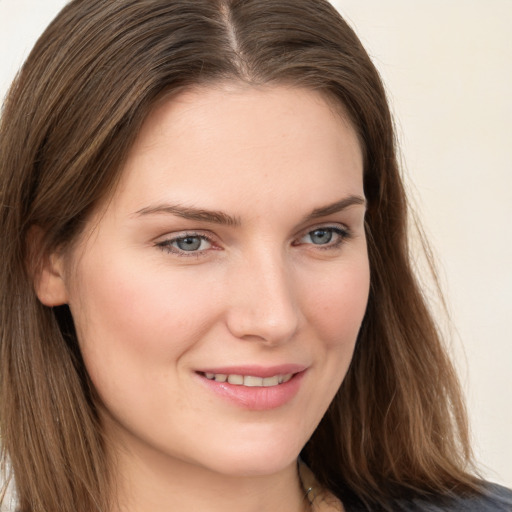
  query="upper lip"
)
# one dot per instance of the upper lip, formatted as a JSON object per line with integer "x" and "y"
{"x": 256, "y": 370}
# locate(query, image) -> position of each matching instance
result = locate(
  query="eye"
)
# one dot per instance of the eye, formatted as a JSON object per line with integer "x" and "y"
{"x": 324, "y": 236}
{"x": 188, "y": 243}
{"x": 320, "y": 236}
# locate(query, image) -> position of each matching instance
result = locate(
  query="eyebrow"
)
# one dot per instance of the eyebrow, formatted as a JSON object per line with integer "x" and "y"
{"x": 191, "y": 213}
{"x": 336, "y": 207}
{"x": 219, "y": 217}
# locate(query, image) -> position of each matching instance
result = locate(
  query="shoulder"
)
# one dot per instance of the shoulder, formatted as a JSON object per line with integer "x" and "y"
{"x": 494, "y": 498}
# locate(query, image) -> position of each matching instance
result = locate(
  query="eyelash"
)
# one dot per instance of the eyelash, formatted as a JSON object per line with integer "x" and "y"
{"x": 343, "y": 234}
{"x": 166, "y": 245}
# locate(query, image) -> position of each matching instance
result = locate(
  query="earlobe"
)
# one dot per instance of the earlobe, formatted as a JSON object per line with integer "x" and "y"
{"x": 48, "y": 272}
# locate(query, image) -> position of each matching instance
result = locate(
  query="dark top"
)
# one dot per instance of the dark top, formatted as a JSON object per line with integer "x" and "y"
{"x": 495, "y": 499}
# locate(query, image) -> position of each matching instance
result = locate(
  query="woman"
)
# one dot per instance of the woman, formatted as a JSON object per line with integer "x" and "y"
{"x": 207, "y": 302}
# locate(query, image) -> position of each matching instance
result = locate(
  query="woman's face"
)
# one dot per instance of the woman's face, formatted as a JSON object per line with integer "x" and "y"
{"x": 233, "y": 248}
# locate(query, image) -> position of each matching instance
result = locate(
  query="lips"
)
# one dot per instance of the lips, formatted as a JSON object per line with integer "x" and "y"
{"x": 249, "y": 380}
{"x": 255, "y": 387}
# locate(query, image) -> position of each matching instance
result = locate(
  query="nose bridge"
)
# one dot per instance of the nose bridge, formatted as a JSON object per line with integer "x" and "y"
{"x": 263, "y": 304}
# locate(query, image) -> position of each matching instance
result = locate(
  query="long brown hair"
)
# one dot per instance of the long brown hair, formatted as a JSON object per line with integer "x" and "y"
{"x": 397, "y": 424}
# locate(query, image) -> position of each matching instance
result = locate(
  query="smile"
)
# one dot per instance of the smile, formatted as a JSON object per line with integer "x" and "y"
{"x": 249, "y": 380}
{"x": 270, "y": 389}
{"x": 254, "y": 387}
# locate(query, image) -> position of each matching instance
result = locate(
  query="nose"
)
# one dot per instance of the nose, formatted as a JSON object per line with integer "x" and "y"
{"x": 263, "y": 304}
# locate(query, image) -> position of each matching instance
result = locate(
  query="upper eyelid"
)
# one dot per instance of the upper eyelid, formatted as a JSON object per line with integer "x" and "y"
{"x": 166, "y": 245}
{"x": 209, "y": 235}
{"x": 323, "y": 225}
{"x": 176, "y": 235}
{"x": 342, "y": 231}
{"x": 213, "y": 238}
{"x": 170, "y": 238}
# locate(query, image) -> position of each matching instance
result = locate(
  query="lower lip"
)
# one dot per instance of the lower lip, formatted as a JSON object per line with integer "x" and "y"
{"x": 256, "y": 398}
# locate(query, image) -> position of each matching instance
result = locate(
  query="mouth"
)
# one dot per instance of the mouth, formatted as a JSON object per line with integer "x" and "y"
{"x": 249, "y": 381}
{"x": 253, "y": 387}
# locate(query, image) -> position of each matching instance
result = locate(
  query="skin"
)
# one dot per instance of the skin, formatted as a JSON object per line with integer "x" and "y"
{"x": 265, "y": 290}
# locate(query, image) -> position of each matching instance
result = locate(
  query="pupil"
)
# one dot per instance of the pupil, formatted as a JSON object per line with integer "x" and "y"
{"x": 190, "y": 243}
{"x": 321, "y": 236}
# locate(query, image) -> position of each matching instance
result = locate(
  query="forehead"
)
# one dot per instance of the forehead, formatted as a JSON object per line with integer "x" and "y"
{"x": 212, "y": 142}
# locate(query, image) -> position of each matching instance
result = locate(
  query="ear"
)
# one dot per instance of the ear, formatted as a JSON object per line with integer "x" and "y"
{"x": 50, "y": 285}
{"x": 47, "y": 271}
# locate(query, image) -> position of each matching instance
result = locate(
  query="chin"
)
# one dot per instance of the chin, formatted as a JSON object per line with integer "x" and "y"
{"x": 253, "y": 467}
{"x": 256, "y": 459}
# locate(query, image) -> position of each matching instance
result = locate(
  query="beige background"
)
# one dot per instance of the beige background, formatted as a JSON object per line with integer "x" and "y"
{"x": 448, "y": 68}
{"x": 447, "y": 65}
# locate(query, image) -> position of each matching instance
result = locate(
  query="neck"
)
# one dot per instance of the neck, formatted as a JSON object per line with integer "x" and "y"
{"x": 152, "y": 482}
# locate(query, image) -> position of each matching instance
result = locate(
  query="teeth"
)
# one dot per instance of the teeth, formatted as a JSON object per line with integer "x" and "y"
{"x": 249, "y": 380}
{"x": 252, "y": 381}
{"x": 271, "y": 381}
{"x": 236, "y": 379}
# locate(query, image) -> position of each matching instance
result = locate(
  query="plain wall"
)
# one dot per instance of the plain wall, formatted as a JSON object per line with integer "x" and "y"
{"x": 448, "y": 69}
{"x": 447, "y": 66}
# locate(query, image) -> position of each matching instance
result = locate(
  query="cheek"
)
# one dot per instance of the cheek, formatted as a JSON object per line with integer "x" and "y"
{"x": 337, "y": 303}
{"x": 335, "y": 307}
{"x": 137, "y": 320}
